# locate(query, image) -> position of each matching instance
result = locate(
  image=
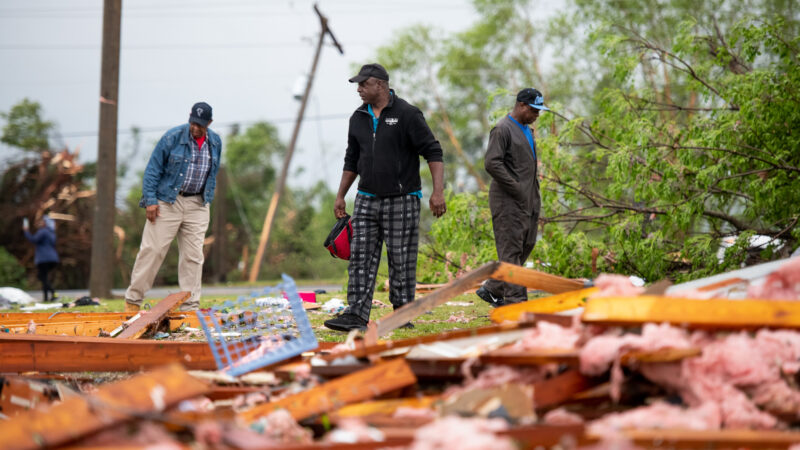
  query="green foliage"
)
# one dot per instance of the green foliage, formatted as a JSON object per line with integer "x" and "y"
{"x": 459, "y": 241}
{"x": 673, "y": 127}
{"x": 25, "y": 128}
{"x": 11, "y": 271}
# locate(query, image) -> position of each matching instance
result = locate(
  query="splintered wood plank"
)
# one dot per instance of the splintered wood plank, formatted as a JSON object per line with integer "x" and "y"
{"x": 91, "y": 328}
{"x": 713, "y": 438}
{"x": 25, "y": 352}
{"x": 553, "y": 304}
{"x": 139, "y": 326}
{"x": 441, "y": 337}
{"x": 385, "y": 407}
{"x": 532, "y": 357}
{"x": 424, "y": 304}
{"x": 661, "y": 355}
{"x": 560, "y": 388}
{"x": 534, "y": 279}
{"x": 713, "y": 313}
{"x": 14, "y": 321}
{"x": 112, "y": 404}
{"x": 356, "y": 387}
{"x": 24, "y": 318}
{"x": 18, "y": 394}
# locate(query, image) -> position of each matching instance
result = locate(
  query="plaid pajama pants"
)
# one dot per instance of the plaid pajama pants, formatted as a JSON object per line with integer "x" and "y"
{"x": 394, "y": 220}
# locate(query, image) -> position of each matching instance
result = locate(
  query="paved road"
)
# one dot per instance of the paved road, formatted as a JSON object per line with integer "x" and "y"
{"x": 161, "y": 292}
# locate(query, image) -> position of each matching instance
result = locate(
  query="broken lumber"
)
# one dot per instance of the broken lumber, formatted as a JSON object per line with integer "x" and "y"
{"x": 114, "y": 403}
{"x": 424, "y": 304}
{"x": 13, "y": 320}
{"x": 18, "y": 394}
{"x": 363, "y": 351}
{"x": 713, "y": 438}
{"x": 560, "y": 388}
{"x": 26, "y": 352}
{"x": 691, "y": 313}
{"x": 511, "y": 273}
{"x": 385, "y": 407}
{"x": 139, "y": 326}
{"x": 93, "y": 328}
{"x": 552, "y": 304}
{"x": 356, "y": 387}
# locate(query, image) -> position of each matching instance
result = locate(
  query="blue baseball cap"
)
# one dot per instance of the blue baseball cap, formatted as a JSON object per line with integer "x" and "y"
{"x": 532, "y": 97}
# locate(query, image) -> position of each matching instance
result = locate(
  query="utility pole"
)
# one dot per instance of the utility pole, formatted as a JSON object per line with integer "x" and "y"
{"x": 220, "y": 246}
{"x": 101, "y": 275}
{"x": 273, "y": 204}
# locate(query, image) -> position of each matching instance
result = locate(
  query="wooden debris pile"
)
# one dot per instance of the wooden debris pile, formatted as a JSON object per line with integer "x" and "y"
{"x": 703, "y": 364}
{"x": 55, "y": 182}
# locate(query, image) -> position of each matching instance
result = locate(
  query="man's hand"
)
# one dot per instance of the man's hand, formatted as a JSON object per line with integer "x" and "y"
{"x": 437, "y": 204}
{"x": 152, "y": 212}
{"x": 339, "y": 207}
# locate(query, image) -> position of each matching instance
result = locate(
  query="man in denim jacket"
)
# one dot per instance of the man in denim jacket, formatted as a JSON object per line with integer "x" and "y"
{"x": 178, "y": 187}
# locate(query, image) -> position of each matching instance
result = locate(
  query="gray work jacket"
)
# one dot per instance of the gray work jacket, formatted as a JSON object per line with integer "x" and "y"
{"x": 510, "y": 162}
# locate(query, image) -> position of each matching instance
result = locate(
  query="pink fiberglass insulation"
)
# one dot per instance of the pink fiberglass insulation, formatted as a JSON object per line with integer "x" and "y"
{"x": 407, "y": 412}
{"x": 561, "y": 416}
{"x": 598, "y": 354}
{"x": 782, "y": 284}
{"x": 464, "y": 434}
{"x": 739, "y": 373}
{"x": 659, "y": 415}
{"x": 280, "y": 426}
{"x": 496, "y": 375}
{"x": 547, "y": 336}
{"x": 610, "y": 285}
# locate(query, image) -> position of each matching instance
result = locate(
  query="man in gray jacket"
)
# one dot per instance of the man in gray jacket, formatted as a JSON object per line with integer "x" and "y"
{"x": 514, "y": 197}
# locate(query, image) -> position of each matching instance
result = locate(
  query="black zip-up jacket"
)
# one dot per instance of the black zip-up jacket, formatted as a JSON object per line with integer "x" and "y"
{"x": 387, "y": 161}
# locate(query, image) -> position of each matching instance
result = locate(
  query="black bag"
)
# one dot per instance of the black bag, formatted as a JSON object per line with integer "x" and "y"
{"x": 338, "y": 241}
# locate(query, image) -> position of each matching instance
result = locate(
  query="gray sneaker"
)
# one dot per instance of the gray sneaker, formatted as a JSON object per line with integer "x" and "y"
{"x": 487, "y": 296}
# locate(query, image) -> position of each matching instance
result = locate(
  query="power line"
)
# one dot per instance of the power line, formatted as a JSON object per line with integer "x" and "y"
{"x": 221, "y": 125}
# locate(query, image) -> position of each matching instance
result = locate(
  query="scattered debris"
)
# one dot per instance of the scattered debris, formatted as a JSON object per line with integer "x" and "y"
{"x": 613, "y": 365}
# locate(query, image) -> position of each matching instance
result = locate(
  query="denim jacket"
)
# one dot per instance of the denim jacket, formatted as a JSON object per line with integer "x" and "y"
{"x": 166, "y": 169}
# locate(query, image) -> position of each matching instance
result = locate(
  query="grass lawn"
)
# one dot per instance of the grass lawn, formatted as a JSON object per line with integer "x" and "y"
{"x": 464, "y": 311}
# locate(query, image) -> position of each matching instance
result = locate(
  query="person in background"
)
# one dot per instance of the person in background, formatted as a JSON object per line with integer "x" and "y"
{"x": 46, "y": 256}
{"x": 386, "y": 138}
{"x": 511, "y": 160}
{"x": 177, "y": 190}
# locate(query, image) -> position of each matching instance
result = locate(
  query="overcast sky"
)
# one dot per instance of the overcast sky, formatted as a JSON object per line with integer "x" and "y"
{"x": 243, "y": 57}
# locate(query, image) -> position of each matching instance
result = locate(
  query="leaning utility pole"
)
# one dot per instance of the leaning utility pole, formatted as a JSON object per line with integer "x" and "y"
{"x": 273, "y": 204}
{"x": 101, "y": 275}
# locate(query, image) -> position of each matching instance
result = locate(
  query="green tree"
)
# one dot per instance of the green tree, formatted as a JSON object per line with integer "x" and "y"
{"x": 671, "y": 127}
{"x": 25, "y": 128}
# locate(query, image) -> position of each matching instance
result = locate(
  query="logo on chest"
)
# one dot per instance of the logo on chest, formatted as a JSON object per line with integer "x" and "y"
{"x": 391, "y": 121}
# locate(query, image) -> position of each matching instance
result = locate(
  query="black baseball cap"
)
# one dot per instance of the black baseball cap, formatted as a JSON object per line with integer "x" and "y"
{"x": 373, "y": 70}
{"x": 200, "y": 114}
{"x": 532, "y": 97}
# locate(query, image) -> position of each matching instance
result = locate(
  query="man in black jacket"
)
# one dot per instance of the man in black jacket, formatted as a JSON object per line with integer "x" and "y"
{"x": 514, "y": 199}
{"x": 387, "y": 135}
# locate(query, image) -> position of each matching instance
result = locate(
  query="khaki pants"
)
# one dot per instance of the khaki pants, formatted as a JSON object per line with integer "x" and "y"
{"x": 188, "y": 218}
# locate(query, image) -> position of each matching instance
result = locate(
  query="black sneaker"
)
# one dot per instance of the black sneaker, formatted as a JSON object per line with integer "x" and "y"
{"x": 487, "y": 296}
{"x": 407, "y": 325}
{"x": 346, "y": 322}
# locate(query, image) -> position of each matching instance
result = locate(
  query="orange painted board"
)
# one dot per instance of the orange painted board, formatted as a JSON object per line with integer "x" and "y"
{"x": 713, "y": 313}
{"x": 81, "y": 415}
{"x": 385, "y": 407}
{"x": 547, "y": 305}
{"x": 355, "y": 387}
